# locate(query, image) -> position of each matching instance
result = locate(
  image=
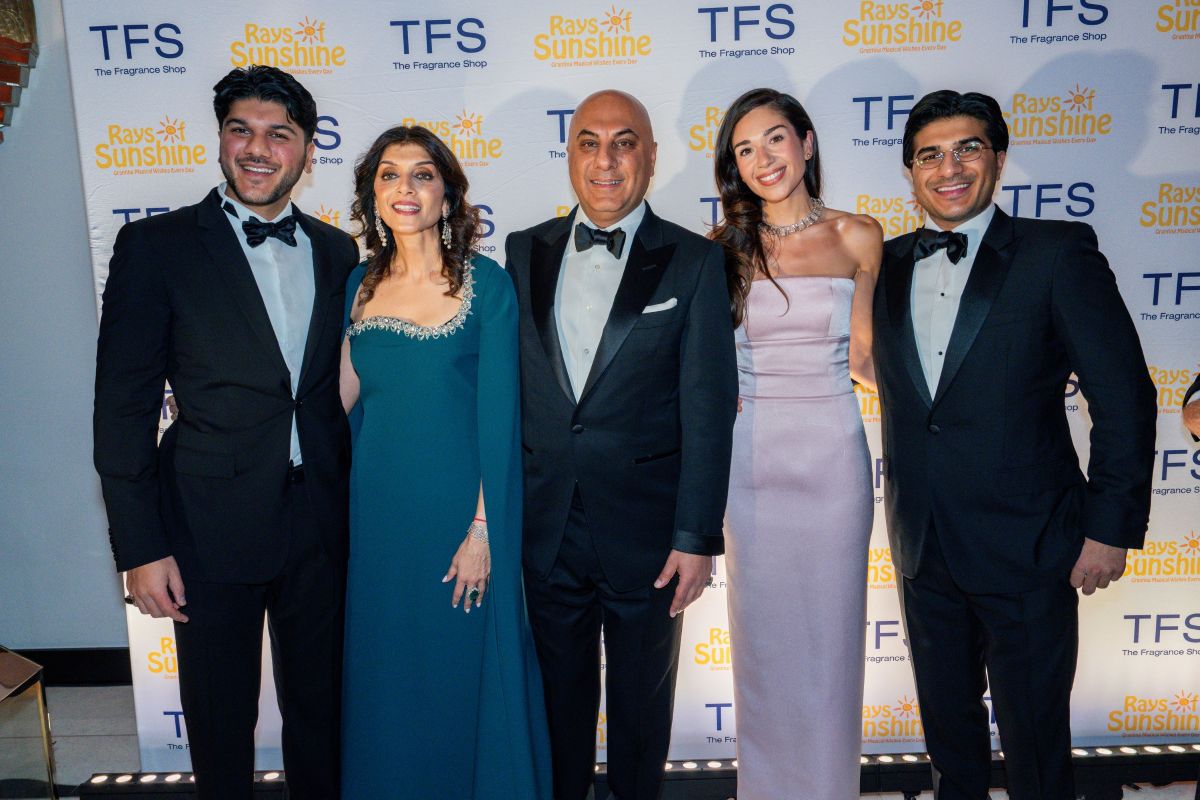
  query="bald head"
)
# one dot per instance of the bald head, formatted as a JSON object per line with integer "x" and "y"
{"x": 610, "y": 155}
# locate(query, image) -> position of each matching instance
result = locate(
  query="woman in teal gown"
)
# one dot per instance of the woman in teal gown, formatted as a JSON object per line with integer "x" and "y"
{"x": 437, "y": 702}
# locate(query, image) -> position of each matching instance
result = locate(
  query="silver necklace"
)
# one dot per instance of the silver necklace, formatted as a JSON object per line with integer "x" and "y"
{"x": 780, "y": 231}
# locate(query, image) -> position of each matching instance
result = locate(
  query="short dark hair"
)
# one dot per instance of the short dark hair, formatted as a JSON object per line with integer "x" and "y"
{"x": 271, "y": 85}
{"x": 949, "y": 103}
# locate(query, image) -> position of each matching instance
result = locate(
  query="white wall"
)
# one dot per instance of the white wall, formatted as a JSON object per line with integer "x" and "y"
{"x": 58, "y": 587}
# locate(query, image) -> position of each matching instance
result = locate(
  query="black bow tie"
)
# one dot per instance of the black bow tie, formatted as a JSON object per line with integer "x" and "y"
{"x": 586, "y": 236}
{"x": 931, "y": 241}
{"x": 258, "y": 231}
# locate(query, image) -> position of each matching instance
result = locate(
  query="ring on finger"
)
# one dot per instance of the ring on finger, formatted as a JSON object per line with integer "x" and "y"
{"x": 473, "y": 595}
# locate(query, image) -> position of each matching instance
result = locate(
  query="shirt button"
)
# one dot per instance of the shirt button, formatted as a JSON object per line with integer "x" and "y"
{"x": 587, "y": 351}
{"x": 940, "y": 352}
{"x": 577, "y": 428}
{"x": 596, "y": 267}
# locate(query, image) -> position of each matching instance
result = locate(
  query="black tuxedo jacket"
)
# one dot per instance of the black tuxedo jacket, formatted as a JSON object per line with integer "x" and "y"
{"x": 648, "y": 443}
{"x": 987, "y": 461}
{"x": 181, "y": 304}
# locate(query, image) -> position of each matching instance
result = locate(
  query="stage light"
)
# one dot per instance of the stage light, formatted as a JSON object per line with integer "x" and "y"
{"x": 734, "y": 762}
{"x": 1079, "y": 751}
{"x": 690, "y": 765}
{"x": 123, "y": 779}
{"x": 1152, "y": 749}
{"x": 1196, "y": 747}
{"x": 886, "y": 759}
{"x": 174, "y": 777}
{"x": 669, "y": 765}
{"x": 1129, "y": 751}
{"x": 1104, "y": 751}
{"x": 191, "y": 778}
{"x": 910, "y": 758}
{"x": 150, "y": 778}
{"x": 99, "y": 779}
{"x": 1177, "y": 749}
{"x": 864, "y": 760}
{"x": 714, "y": 765}
{"x": 271, "y": 776}
{"x": 1000, "y": 754}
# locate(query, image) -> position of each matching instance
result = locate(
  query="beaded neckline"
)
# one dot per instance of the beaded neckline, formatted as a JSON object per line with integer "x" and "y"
{"x": 422, "y": 332}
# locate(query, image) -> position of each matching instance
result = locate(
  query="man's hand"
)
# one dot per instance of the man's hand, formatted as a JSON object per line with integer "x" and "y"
{"x": 693, "y": 576}
{"x": 157, "y": 589}
{"x": 1098, "y": 565}
{"x": 1191, "y": 417}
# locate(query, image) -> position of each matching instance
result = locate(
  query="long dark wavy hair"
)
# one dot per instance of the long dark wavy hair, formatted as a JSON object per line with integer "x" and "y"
{"x": 462, "y": 217}
{"x": 745, "y": 254}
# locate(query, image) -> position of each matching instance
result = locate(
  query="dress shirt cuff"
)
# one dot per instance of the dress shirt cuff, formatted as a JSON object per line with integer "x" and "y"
{"x": 698, "y": 543}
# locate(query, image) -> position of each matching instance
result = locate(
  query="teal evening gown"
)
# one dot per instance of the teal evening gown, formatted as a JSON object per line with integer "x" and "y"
{"x": 438, "y": 703}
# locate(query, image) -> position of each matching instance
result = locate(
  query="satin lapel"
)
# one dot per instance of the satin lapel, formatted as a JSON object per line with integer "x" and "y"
{"x": 324, "y": 285}
{"x": 545, "y": 262}
{"x": 230, "y": 263}
{"x": 899, "y": 298}
{"x": 987, "y": 276}
{"x": 648, "y": 260}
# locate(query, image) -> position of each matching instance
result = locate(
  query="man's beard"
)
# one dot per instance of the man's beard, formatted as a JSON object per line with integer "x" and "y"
{"x": 286, "y": 181}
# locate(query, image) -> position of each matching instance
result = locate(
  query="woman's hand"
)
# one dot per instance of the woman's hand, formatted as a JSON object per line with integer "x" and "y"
{"x": 472, "y": 566}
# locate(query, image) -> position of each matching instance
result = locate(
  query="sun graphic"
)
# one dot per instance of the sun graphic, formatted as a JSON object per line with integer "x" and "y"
{"x": 329, "y": 216}
{"x": 1191, "y": 543}
{"x": 907, "y": 707}
{"x": 311, "y": 30}
{"x": 469, "y": 124}
{"x": 928, "y": 8}
{"x": 1080, "y": 98}
{"x": 171, "y": 130}
{"x": 1185, "y": 701}
{"x": 616, "y": 19}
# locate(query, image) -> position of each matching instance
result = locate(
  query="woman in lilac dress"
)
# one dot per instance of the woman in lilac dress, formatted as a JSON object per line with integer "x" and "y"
{"x": 801, "y": 277}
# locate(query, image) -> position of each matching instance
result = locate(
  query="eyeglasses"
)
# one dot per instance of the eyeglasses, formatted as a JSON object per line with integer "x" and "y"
{"x": 970, "y": 151}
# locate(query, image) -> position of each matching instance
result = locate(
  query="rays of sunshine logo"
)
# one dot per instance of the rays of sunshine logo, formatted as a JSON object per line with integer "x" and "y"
{"x": 868, "y": 403}
{"x": 897, "y": 215}
{"x": 892, "y": 722}
{"x": 602, "y": 731}
{"x": 1180, "y": 18}
{"x": 903, "y": 27}
{"x": 1175, "y": 715}
{"x": 1175, "y": 560}
{"x": 1175, "y": 209}
{"x": 164, "y": 661}
{"x": 702, "y": 137}
{"x": 1172, "y": 386}
{"x": 330, "y": 216}
{"x": 714, "y": 652}
{"x": 606, "y": 39}
{"x": 464, "y": 135}
{"x": 881, "y": 572}
{"x": 301, "y": 49}
{"x": 149, "y": 149}
{"x": 1072, "y": 117}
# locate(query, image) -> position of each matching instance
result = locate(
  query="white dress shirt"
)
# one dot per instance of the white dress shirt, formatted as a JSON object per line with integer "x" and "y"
{"x": 937, "y": 288}
{"x": 587, "y": 285}
{"x": 285, "y": 279}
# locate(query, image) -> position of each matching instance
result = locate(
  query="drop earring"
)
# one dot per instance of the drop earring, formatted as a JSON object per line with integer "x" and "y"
{"x": 381, "y": 232}
{"x": 447, "y": 236}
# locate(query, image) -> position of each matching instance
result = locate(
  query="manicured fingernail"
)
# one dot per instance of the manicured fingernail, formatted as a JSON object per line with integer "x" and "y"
{"x": 659, "y": 584}
{"x": 468, "y": 608}
{"x": 446, "y": 578}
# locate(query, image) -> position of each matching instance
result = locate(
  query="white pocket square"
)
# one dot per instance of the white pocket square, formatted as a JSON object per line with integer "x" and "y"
{"x": 660, "y": 306}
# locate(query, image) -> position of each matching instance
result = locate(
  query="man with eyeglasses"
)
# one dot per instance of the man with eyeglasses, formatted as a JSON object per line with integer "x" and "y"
{"x": 980, "y": 319}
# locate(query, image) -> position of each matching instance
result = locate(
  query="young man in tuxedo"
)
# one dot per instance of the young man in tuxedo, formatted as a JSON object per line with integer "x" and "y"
{"x": 237, "y": 301}
{"x": 629, "y": 392}
{"x": 980, "y": 318}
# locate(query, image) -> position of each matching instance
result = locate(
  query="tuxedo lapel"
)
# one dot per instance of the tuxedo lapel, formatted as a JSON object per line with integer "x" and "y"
{"x": 987, "y": 276}
{"x": 325, "y": 286}
{"x": 648, "y": 260}
{"x": 230, "y": 263}
{"x": 545, "y": 262}
{"x": 899, "y": 298}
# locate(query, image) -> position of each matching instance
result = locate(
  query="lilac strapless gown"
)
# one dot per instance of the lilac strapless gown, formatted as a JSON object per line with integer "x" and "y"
{"x": 798, "y": 525}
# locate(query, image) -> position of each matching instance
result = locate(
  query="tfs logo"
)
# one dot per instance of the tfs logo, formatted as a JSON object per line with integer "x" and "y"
{"x": 880, "y": 629}
{"x": 466, "y": 33}
{"x": 775, "y": 22}
{"x": 1089, "y": 13}
{"x": 327, "y": 136}
{"x": 1167, "y": 461}
{"x": 177, "y": 716}
{"x": 1177, "y": 625}
{"x": 1078, "y": 203}
{"x": 1180, "y": 91}
{"x": 563, "y": 117}
{"x": 134, "y": 36}
{"x": 130, "y": 214}
{"x": 897, "y": 106}
{"x": 486, "y": 226}
{"x": 1176, "y": 284}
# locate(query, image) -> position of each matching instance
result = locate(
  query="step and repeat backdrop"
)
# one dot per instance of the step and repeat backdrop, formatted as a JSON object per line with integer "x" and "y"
{"x": 1102, "y": 98}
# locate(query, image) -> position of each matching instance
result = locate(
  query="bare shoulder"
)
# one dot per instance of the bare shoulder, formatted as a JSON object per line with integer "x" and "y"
{"x": 861, "y": 236}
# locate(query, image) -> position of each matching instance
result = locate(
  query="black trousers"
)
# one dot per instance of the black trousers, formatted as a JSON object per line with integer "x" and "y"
{"x": 1022, "y": 647}
{"x": 220, "y": 652}
{"x": 641, "y": 646}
